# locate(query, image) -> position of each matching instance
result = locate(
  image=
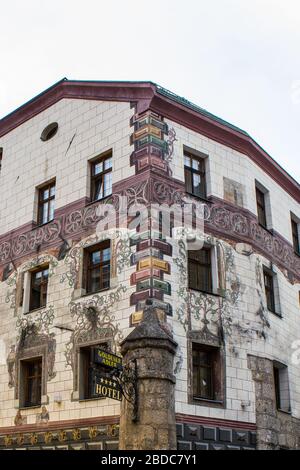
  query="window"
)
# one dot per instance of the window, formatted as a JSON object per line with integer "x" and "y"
{"x": 97, "y": 267}
{"x": 269, "y": 289}
{"x": 31, "y": 382}
{"x": 46, "y": 203}
{"x": 261, "y": 207}
{"x": 87, "y": 368}
{"x": 200, "y": 269}
{"x": 281, "y": 387}
{"x": 49, "y": 131}
{"x": 194, "y": 171}
{"x": 206, "y": 383}
{"x": 277, "y": 387}
{"x": 295, "y": 233}
{"x": 101, "y": 178}
{"x": 38, "y": 288}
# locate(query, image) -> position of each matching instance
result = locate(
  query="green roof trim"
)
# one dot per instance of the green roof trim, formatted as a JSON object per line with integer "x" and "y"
{"x": 198, "y": 109}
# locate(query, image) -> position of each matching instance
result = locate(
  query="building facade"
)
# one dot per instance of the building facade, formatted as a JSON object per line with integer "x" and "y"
{"x": 79, "y": 265}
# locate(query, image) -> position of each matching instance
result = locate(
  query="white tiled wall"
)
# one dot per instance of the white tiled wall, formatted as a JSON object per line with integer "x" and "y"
{"x": 225, "y": 162}
{"x": 99, "y": 126}
{"x": 28, "y": 162}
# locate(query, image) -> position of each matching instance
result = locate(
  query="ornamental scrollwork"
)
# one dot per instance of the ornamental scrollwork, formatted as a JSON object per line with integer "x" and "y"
{"x": 93, "y": 319}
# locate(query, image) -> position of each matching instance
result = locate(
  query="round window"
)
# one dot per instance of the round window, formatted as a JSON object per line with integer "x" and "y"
{"x": 49, "y": 131}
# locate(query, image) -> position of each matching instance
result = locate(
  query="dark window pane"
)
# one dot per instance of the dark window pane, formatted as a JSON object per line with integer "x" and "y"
{"x": 269, "y": 289}
{"x": 101, "y": 179}
{"x": 98, "y": 268}
{"x": 203, "y": 372}
{"x": 295, "y": 232}
{"x": 277, "y": 387}
{"x": 32, "y": 373}
{"x": 95, "y": 280}
{"x": 195, "y": 179}
{"x": 38, "y": 292}
{"x": 188, "y": 181}
{"x": 261, "y": 209}
{"x": 199, "y": 267}
{"x": 46, "y": 204}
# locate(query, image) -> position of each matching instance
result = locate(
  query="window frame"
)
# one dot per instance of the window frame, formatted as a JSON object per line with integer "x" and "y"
{"x": 281, "y": 387}
{"x": 96, "y": 177}
{"x": 192, "y": 171}
{"x": 209, "y": 366}
{"x": 43, "y": 292}
{"x": 89, "y": 266}
{"x": 295, "y": 234}
{"x": 218, "y": 387}
{"x": 42, "y": 202}
{"x": 86, "y": 366}
{"x": 276, "y": 373}
{"x": 25, "y": 363}
{"x": 207, "y": 266}
{"x": 274, "y": 306}
{"x": 261, "y": 207}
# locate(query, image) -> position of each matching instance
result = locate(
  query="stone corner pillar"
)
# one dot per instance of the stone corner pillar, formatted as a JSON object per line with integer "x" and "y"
{"x": 152, "y": 348}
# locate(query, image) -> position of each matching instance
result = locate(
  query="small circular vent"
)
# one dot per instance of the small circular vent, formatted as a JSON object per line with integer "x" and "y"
{"x": 49, "y": 131}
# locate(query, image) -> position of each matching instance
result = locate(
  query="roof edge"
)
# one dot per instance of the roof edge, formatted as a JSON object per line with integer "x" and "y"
{"x": 148, "y": 95}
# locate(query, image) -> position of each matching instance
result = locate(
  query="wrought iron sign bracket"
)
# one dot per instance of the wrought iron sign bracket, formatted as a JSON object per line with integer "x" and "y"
{"x": 127, "y": 380}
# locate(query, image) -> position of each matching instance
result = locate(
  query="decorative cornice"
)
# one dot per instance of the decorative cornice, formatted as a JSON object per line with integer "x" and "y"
{"x": 146, "y": 96}
{"x": 192, "y": 419}
{"x": 57, "y": 425}
{"x": 221, "y": 219}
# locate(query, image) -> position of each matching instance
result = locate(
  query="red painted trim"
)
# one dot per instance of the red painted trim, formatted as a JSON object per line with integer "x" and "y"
{"x": 228, "y": 137}
{"x": 145, "y": 97}
{"x": 224, "y": 423}
{"x": 65, "y": 424}
{"x": 139, "y": 93}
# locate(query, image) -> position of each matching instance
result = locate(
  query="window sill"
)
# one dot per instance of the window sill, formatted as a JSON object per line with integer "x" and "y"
{"x": 270, "y": 230}
{"x": 90, "y": 203}
{"x": 84, "y": 400}
{"x": 201, "y": 198}
{"x": 36, "y": 225}
{"x": 206, "y": 402}
{"x": 284, "y": 412}
{"x": 33, "y": 407}
{"x": 276, "y": 314}
{"x": 215, "y": 294}
{"x": 87, "y": 294}
{"x": 35, "y": 310}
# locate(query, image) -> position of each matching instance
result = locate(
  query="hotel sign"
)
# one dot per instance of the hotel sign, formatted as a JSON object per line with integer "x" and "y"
{"x": 106, "y": 387}
{"x": 107, "y": 359}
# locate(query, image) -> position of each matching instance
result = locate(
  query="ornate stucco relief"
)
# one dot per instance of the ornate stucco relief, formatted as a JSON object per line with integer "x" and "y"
{"x": 218, "y": 315}
{"x": 220, "y": 218}
{"x": 92, "y": 320}
{"x": 33, "y": 334}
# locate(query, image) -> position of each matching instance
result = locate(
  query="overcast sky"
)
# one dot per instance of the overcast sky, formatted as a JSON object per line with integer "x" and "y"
{"x": 239, "y": 59}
